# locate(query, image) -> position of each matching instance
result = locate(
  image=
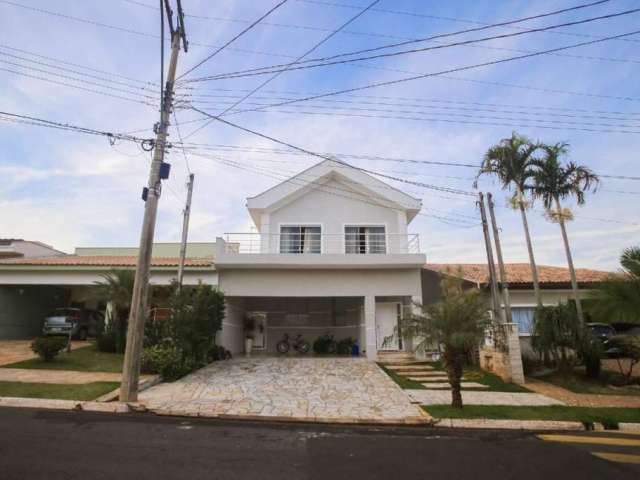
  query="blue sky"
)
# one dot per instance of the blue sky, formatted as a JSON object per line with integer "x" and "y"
{"x": 69, "y": 190}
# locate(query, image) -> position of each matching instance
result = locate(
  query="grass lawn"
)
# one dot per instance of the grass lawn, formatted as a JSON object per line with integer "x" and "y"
{"x": 86, "y": 359}
{"x": 86, "y": 391}
{"x": 609, "y": 383}
{"x": 606, "y": 415}
{"x": 495, "y": 383}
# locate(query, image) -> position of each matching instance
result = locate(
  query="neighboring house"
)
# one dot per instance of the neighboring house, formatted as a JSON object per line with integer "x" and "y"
{"x": 555, "y": 287}
{"x": 18, "y": 248}
{"x": 31, "y": 287}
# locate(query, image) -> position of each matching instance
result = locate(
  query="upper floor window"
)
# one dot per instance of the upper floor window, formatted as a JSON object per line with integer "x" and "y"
{"x": 300, "y": 239}
{"x": 365, "y": 239}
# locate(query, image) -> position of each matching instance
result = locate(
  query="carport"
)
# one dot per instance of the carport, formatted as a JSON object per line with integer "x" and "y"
{"x": 31, "y": 287}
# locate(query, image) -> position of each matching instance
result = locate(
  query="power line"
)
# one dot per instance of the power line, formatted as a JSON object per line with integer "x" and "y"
{"x": 96, "y": 70}
{"x": 270, "y": 151}
{"x": 330, "y": 60}
{"x": 387, "y": 36}
{"x": 75, "y": 79}
{"x": 75, "y": 128}
{"x": 269, "y": 12}
{"x": 184, "y": 152}
{"x": 65, "y": 84}
{"x": 324, "y": 157}
{"x": 434, "y": 37}
{"x": 276, "y": 75}
{"x": 443, "y": 72}
{"x": 555, "y": 110}
{"x": 450, "y": 19}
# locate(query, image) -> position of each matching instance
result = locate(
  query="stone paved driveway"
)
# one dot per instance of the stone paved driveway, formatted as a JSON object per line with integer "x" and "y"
{"x": 341, "y": 390}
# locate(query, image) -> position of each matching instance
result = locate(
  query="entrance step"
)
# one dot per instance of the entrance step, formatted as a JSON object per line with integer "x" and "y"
{"x": 396, "y": 357}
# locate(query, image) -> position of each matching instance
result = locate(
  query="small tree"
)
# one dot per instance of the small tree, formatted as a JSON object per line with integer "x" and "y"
{"x": 196, "y": 317}
{"x": 556, "y": 334}
{"x": 458, "y": 322}
{"x": 117, "y": 288}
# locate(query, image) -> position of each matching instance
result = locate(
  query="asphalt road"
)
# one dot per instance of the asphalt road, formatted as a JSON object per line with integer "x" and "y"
{"x": 67, "y": 445}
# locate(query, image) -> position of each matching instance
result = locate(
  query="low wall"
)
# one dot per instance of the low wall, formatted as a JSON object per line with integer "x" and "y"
{"x": 507, "y": 365}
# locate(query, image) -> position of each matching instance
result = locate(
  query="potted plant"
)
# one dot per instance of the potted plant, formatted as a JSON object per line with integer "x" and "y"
{"x": 249, "y": 329}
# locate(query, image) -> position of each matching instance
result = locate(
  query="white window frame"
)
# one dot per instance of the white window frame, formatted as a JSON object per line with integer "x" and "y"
{"x": 301, "y": 224}
{"x": 365, "y": 224}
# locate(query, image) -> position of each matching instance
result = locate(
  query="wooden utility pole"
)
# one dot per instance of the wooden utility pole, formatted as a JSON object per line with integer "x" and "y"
{"x": 151, "y": 195}
{"x": 504, "y": 283}
{"x": 185, "y": 230}
{"x": 492, "y": 267}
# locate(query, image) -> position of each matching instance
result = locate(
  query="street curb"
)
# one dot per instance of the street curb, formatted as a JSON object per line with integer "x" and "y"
{"x": 507, "y": 424}
{"x": 499, "y": 424}
{"x": 51, "y": 404}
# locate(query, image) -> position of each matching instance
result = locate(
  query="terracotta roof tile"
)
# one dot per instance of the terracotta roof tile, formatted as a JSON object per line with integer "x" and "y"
{"x": 520, "y": 273}
{"x": 106, "y": 261}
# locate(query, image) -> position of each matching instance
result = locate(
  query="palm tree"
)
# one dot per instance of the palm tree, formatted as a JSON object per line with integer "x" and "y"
{"x": 117, "y": 288}
{"x": 457, "y": 322}
{"x": 554, "y": 182}
{"x": 511, "y": 161}
{"x": 618, "y": 298}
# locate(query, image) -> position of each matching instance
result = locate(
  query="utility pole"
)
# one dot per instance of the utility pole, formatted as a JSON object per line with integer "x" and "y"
{"x": 151, "y": 195}
{"x": 492, "y": 267}
{"x": 185, "y": 230}
{"x": 504, "y": 283}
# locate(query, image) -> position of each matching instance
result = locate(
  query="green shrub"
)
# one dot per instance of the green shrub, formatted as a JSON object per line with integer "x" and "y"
{"x": 218, "y": 352}
{"x": 107, "y": 342}
{"x": 345, "y": 345}
{"x": 325, "y": 345}
{"x": 165, "y": 360}
{"x": 48, "y": 347}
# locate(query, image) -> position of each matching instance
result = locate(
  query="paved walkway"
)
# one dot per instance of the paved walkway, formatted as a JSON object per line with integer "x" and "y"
{"x": 12, "y": 351}
{"x": 582, "y": 399}
{"x": 443, "y": 397}
{"x": 338, "y": 390}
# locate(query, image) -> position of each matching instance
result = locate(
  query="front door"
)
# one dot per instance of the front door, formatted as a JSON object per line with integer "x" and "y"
{"x": 387, "y": 315}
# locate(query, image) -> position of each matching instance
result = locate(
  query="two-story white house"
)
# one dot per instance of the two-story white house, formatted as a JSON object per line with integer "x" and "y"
{"x": 331, "y": 254}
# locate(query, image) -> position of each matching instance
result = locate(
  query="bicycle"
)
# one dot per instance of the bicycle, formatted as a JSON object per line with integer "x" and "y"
{"x": 299, "y": 344}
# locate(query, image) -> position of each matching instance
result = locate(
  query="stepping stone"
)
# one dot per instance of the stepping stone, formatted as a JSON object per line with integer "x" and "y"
{"x": 446, "y": 386}
{"x": 434, "y": 373}
{"x": 412, "y": 368}
{"x": 423, "y": 379}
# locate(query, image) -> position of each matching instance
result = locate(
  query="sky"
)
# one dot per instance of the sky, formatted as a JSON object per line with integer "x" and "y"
{"x": 97, "y": 65}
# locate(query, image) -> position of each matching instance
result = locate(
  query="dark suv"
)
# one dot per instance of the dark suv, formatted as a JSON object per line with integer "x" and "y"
{"x": 77, "y": 322}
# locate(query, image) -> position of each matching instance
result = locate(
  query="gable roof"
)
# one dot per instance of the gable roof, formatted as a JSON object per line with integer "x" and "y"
{"x": 519, "y": 274}
{"x": 319, "y": 174}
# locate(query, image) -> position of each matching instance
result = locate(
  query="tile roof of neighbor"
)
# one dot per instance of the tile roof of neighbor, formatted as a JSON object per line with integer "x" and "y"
{"x": 520, "y": 273}
{"x": 106, "y": 261}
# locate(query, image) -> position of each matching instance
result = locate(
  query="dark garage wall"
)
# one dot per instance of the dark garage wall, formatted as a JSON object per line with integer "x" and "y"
{"x": 23, "y": 308}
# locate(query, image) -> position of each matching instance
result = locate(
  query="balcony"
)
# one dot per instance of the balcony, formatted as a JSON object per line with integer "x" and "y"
{"x": 316, "y": 250}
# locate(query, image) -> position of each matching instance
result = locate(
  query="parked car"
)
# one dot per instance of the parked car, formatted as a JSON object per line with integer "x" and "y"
{"x": 601, "y": 331}
{"x": 80, "y": 323}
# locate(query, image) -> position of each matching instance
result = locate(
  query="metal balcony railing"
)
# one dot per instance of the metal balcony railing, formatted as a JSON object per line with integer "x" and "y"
{"x": 322, "y": 243}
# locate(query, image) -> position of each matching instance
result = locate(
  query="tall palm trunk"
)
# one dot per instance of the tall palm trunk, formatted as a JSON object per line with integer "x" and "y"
{"x": 532, "y": 261}
{"x": 572, "y": 271}
{"x": 453, "y": 364}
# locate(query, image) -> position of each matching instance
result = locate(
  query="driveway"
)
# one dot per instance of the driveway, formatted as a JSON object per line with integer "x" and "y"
{"x": 336, "y": 390}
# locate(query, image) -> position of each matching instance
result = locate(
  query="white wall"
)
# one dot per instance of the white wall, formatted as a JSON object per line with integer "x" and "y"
{"x": 231, "y": 336}
{"x": 332, "y": 211}
{"x": 321, "y": 283}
